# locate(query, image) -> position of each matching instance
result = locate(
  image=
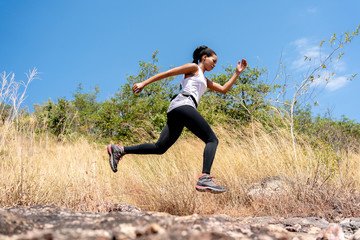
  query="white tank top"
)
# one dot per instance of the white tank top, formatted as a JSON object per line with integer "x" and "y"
{"x": 195, "y": 85}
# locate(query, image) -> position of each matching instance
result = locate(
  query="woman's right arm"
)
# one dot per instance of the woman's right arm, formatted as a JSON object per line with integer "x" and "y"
{"x": 184, "y": 69}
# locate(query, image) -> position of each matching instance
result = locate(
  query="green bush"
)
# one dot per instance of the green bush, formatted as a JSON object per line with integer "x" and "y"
{"x": 140, "y": 117}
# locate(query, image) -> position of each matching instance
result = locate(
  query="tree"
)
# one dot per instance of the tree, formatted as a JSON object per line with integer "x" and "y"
{"x": 304, "y": 90}
{"x": 87, "y": 107}
{"x": 57, "y": 117}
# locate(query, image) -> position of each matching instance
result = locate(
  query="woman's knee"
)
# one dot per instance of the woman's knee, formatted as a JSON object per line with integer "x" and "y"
{"x": 161, "y": 149}
{"x": 214, "y": 140}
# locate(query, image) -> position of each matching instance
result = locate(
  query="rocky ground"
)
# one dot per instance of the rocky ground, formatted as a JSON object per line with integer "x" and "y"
{"x": 127, "y": 222}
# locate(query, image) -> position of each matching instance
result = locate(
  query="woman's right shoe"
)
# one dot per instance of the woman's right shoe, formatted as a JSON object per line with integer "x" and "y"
{"x": 205, "y": 183}
{"x": 115, "y": 152}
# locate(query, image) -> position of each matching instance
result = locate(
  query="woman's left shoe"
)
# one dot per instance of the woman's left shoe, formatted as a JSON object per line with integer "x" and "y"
{"x": 115, "y": 152}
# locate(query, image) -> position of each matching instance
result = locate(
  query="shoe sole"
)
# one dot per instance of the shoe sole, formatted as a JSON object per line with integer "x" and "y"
{"x": 208, "y": 189}
{"x": 111, "y": 159}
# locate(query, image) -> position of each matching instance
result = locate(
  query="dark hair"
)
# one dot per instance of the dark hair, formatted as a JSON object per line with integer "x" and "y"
{"x": 201, "y": 51}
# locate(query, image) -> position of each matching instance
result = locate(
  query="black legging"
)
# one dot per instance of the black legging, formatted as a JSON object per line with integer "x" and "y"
{"x": 178, "y": 118}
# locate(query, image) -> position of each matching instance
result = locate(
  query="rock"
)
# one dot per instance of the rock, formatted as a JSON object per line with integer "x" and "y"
{"x": 128, "y": 222}
{"x": 314, "y": 230}
{"x": 260, "y": 221}
{"x": 268, "y": 187}
{"x": 357, "y": 235}
{"x": 332, "y": 232}
{"x": 210, "y": 236}
{"x": 306, "y": 223}
{"x": 271, "y": 232}
{"x": 294, "y": 228}
{"x": 149, "y": 230}
{"x": 128, "y": 229}
{"x": 122, "y": 208}
{"x": 37, "y": 234}
{"x": 351, "y": 224}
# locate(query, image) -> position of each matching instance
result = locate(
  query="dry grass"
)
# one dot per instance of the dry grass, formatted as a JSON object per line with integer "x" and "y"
{"x": 38, "y": 169}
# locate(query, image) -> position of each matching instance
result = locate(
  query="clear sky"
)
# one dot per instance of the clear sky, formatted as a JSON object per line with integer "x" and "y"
{"x": 97, "y": 43}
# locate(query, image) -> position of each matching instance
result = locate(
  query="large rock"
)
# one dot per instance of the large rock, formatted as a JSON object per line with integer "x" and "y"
{"x": 127, "y": 222}
{"x": 276, "y": 185}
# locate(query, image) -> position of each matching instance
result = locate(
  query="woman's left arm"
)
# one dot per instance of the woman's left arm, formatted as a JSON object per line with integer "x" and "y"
{"x": 226, "y": 87}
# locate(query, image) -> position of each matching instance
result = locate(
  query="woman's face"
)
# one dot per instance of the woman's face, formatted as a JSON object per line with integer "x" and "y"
{"x": 209, "y": 62}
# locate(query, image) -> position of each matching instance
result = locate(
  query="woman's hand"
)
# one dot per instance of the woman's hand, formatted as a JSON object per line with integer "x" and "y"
{"x": 138, "y": 87}
{"x": 226, "y": 87}
{"x": 241, "y": 66}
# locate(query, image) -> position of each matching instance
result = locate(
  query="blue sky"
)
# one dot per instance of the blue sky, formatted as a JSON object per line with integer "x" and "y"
{"x": 97, "y": 43}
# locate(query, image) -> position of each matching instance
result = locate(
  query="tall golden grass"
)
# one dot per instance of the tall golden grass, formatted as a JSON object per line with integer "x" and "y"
{"x": 37, "y": 168}
{"x": 40, "y": 169}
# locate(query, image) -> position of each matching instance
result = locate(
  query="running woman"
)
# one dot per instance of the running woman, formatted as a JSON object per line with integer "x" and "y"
{"x": 182, "y": 113}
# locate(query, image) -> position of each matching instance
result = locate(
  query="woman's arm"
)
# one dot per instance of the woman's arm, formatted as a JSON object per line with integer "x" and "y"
{"x": 226, "y": 87}
{"x": 184, "y": 69}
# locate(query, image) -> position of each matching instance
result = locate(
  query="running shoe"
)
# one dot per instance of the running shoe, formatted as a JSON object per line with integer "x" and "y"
{"x": 115, "y": 152}
{"x": 205, "y": 183}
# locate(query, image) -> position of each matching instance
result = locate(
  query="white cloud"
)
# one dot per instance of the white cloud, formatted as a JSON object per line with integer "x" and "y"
{"x": 336, "y": 83}
{"x": 303, "y": 48}
{"x": 331, "y": 83}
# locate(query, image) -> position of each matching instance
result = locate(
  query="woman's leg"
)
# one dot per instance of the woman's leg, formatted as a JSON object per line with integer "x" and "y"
{"x": 192, "y": 119}
{"x": 197, "y": 124}
{"x": 168, "y": 137}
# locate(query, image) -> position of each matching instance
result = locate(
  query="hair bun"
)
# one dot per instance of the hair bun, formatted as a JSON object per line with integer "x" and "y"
{"x": 201, "y": 47}
{"x": 197, "y": 53}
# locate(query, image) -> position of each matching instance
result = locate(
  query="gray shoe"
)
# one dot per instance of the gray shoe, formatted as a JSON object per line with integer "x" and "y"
{"x": 115, "y": 152}
{"x": 205, "y": 183}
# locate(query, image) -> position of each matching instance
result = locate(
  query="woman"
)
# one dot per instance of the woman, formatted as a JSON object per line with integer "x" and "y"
{"x": 182, "y": 113}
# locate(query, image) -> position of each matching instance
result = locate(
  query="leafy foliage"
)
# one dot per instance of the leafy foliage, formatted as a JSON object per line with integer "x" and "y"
{"x": 140, "y": 117}
{"x": 247, "y": 98}
{"x": 58, "y": 117}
